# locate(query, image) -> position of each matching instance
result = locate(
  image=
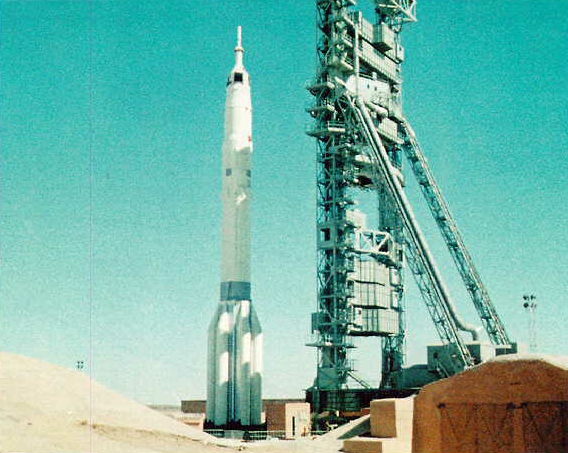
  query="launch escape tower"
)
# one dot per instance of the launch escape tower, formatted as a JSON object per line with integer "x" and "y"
{"x": 362, "y": 135}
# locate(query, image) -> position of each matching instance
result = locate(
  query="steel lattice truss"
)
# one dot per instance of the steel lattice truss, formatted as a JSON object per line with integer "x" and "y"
{"x": 361, "y": 137}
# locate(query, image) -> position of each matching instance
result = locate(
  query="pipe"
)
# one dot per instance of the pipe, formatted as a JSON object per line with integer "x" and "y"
{"x": 412, "y": 224}
{"x": 356, "y": 56}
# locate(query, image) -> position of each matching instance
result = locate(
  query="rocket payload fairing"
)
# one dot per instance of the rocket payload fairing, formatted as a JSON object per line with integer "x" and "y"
{"x": 235, "y": 338}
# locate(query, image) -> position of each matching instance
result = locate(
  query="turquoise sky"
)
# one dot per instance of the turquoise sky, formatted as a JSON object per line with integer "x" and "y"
{"x": 112, "y": 124}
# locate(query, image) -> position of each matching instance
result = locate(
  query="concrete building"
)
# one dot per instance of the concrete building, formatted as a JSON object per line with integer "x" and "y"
{"x": 291, "y": 416}
{"x": 512, "y": 404}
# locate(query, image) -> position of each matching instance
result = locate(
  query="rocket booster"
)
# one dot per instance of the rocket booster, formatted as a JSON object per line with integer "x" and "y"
{"x": 235, "y": 337}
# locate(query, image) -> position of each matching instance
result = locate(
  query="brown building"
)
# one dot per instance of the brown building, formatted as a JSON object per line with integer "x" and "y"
{"x": 513, "y": 404}
{"x": 291, "y": 416}
{"x": 193, "y": 406}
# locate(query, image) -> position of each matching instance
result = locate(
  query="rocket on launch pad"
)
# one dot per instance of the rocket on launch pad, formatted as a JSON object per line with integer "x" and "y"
{"x": 234, "y": 370}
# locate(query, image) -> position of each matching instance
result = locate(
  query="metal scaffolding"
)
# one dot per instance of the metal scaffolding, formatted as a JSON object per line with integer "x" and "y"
{"x": 361, "y": 137}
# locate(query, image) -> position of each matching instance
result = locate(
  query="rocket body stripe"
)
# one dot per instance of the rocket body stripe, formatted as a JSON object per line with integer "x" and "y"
{"x": 235, "y": 337}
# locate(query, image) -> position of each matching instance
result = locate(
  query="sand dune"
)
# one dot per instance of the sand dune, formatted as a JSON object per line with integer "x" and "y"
{"x": 46, "y": 408}
{"x": 49, "y": 409}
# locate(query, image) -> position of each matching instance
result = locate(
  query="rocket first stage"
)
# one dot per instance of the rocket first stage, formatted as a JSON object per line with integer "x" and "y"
{"x": 234, "y": 370}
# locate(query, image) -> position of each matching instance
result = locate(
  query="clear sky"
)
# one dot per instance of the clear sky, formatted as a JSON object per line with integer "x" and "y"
{"x": 112, "y": 125}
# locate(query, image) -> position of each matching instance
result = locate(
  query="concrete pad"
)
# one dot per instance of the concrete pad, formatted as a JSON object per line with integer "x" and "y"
{"x": 392, "y": 417}
{"x": 383, "y": 418}
{"x": 363, "y": 445}
{"x": 376, "y": 445}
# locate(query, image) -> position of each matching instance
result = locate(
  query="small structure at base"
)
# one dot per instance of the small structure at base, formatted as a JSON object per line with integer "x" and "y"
{"x": 287, "y": 418}
{"x": 512, "y": 404}
{"x": 391, "y": 423}
{"x": 284, "y": 418}
{"x": 297, "y": 420}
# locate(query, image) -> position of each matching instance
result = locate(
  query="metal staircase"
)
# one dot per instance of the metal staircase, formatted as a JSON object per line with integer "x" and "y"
{"x": 452, "y": 237}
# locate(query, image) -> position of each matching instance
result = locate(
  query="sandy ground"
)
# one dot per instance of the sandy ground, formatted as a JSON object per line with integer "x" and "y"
{"x": 48, "y": 409}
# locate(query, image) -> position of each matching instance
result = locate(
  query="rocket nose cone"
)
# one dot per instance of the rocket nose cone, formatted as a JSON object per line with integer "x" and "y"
{"x": 239, "y": 73}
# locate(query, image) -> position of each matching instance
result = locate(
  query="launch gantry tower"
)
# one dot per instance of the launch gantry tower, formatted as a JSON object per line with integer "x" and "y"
{"x": 362, "y": 136}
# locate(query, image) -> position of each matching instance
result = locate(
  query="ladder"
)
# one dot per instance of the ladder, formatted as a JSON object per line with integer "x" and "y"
{"x": 452, "y": 237}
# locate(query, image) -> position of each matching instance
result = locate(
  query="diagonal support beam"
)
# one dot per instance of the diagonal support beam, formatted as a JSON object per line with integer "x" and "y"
{"x": 453, "y": 239}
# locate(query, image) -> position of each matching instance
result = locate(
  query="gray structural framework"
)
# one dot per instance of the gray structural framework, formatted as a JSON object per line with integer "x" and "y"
{"x": 362, "y": 136}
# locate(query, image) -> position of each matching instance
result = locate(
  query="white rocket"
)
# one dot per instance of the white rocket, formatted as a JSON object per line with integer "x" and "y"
{"x": 235, "y": 338}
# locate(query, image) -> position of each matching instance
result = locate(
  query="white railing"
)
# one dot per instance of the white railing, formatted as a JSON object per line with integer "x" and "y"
{"x": 254, "y": 436}
{"x": 265, "y": 435}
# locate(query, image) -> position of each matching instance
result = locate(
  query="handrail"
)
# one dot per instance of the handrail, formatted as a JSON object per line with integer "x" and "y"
{"x": 453, "y": 239}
